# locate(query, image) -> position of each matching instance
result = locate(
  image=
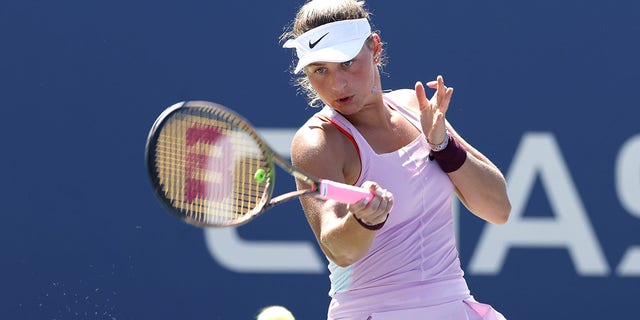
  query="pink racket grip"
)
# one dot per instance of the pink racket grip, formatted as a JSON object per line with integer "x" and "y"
{"x": 343, "y": 192}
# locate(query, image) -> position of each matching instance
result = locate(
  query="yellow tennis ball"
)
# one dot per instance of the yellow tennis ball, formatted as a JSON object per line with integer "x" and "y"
{"x": 275, "y": 313}
{"x": 260, "y": 175}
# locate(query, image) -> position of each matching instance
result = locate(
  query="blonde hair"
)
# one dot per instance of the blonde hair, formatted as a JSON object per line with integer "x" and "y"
{"x": 315, "y": 13}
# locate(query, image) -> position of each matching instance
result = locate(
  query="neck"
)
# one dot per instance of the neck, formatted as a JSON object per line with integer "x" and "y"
{"x": 374, "y": 113}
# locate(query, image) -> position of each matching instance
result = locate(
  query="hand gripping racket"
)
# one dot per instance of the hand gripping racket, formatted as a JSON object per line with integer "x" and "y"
{"x": 210, "y": 167}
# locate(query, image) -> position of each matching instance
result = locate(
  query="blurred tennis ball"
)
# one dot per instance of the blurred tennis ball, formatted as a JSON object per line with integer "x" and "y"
{"x": 275, "y": 313}
{"x": 260, "y": 175}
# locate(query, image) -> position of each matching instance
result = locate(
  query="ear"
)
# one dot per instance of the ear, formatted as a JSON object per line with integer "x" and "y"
{"x": 376, "y": 47}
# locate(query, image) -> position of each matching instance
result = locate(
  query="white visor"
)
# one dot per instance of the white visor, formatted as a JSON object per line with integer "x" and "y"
{"x": 338, "y": 41}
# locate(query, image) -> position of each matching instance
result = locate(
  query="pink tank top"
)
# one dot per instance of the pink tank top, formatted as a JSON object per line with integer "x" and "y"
{"x": 413, "y": 261}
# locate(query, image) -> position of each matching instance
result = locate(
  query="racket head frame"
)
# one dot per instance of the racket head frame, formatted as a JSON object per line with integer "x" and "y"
{"x": 158, "y": 188}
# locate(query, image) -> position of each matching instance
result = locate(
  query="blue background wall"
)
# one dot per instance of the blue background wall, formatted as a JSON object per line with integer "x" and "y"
{"x": 82, "y": 81}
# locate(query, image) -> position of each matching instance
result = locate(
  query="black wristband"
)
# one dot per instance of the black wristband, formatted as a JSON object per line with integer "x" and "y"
{"x": 452, "y": 157}
{"x": 371, "y": 227}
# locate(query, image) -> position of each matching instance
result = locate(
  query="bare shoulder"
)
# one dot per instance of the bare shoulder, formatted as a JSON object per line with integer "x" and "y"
{"x": 320, "y": 149}
{"x": 310, "y": 137}
{"x": 404, "y": 97}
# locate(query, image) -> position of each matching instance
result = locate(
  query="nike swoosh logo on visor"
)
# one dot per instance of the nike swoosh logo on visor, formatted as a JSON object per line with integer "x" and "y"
{"x": 313, "y": 44}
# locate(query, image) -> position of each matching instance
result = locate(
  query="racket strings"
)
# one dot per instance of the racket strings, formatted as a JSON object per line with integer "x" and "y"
{"x": 206, "y": 164}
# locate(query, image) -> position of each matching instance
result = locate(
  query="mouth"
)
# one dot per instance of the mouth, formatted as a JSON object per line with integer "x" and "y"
{"x": 344, "y": 100}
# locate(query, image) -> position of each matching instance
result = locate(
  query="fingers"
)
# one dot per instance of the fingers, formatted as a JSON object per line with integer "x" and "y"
{"x": 442, "y": 96}
{"x": 381, "y": 201}
{"x": 386, "y": 203}
{"x": 421, "y": 95}
{"x": 440, "y": 88}
{"x": 437, "y": 84}
{"x": 374, "y": 211}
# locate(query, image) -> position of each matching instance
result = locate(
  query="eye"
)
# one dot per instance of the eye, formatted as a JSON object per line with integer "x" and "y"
{"x": 347, "y": 63}
{"x": 320, "y": 70}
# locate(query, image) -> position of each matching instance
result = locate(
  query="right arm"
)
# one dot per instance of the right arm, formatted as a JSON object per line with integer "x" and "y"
{"x": 321, "y": 150}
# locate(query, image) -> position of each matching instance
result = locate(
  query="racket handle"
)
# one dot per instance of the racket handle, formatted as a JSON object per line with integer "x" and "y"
{"x": 343, "y": 192}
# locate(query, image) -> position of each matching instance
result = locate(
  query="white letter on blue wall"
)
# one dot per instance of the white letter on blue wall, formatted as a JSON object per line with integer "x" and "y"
{"x": 569, "y": 228}
{"x": 628, "y": 188}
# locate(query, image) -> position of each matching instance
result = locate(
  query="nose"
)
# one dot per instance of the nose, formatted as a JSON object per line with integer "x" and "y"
{"x": 338, "y": 80}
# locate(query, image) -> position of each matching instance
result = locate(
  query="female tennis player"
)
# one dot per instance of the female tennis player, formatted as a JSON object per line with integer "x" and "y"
{"x": 395, "y": 256}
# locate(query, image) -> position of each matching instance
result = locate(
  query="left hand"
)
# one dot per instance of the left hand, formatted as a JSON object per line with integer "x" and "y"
{"x": 433, "y": 111}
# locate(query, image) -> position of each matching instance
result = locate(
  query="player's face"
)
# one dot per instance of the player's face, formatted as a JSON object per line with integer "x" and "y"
{"x": 345, "y": 86}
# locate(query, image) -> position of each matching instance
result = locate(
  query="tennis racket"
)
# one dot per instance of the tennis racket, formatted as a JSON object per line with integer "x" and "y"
{"x": 211, "y": 168}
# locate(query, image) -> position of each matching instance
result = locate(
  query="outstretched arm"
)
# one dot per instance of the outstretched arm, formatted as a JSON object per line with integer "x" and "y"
{"x": 479, "y": 183}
